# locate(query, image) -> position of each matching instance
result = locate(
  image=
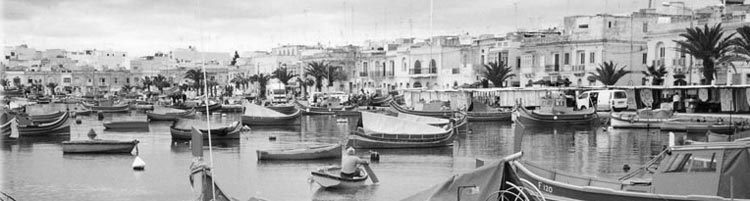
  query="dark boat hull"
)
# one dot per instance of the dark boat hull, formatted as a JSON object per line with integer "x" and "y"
{"x": 291, "y": 119}
{"x": 489, "y": 116}
{"x": 99, "y": 147}
{"x": 56, "y": 127}
{"x": 227, "y": 133}
{"x": 527, "y": 117}
{"x": 169, "y": 117}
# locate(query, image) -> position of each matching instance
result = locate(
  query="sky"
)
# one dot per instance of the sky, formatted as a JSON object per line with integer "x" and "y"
{"x": 142, "y": 27}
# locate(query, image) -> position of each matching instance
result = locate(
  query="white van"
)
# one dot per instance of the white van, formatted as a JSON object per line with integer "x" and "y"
{"x": 603, "y": 100}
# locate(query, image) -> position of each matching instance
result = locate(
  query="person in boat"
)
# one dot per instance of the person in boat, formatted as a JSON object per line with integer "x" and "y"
{"x": 350, "y": 164}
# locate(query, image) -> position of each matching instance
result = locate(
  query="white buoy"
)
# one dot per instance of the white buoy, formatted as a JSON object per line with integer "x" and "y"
{"x": 139, "y": 164}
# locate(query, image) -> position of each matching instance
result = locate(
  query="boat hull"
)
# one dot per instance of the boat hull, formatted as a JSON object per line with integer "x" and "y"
{"x": 358, "y": 140}
{"x": 622, "y": 121}
{"x": 126, "y": 125}
{"x": 96, "y": 146}
{"x": 284, "y": 109}
{"x": 58, "y": 126}
{"x": 330, "y": 151}
{"x": 489, "y": 116}
{"x": 527, "y": 117}
{"x": 291, "y": 119}
{"x": 439, "y": 114}
{"x": 170, "y": 116}
{"x": 330, "y": 178}
{"x": 308, "y": 110}
{"x": 227, "y": 133}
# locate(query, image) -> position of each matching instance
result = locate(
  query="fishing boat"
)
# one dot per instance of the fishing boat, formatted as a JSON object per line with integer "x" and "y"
{"x": 381, "y": 100}
{"x": 6, "y": 122}
{"x": 256, "y": 115}
{"x": 99, "y": 146}
{"x": 481, "y": 112}
{"x": 26, "y": 127}
{"x": 711, "y": 171}
{"x": 644, "y": 118}
{"x": 106, "y": 107}
{"x": 308, "y": 153}
{"x": 330, "y": 177}
{"x": 433, "y": 113}
{"x": 697, "y": 126}
{"x": 328, "y": 110}
{"x": 525, "y": 116}
{"x": 180, "y": 130}
{"x": 433, "y": 121}
{"x": 283, "y": 108}
{"x": 46, "y": 118}
{"x": 198, "y": 106}
{"x": 168, "y": 114}
{"x": 125, "y": 125}
{"x": 383, "y": 131}
{"x": 141, "y": 105}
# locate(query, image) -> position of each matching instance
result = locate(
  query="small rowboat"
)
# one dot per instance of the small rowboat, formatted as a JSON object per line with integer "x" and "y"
{"x": 310, "y": 110}
{"x": 309, "y": 153}
{"x": 199, "y": 106}
{"x": 623, "y": 120}
{"x": 99, "y": 146}
{"x": 180, "y": 130}
{"x": 46, "y": 118}
{"x": 27, "y": 127}
{"x": 256, "y": 115}
{"x": 107, "y": 109}
{"x": 330, "y": 177}
{"x": 168, "y": 114}
{"x": 135, "y": 124}
{"x": 5, "y": 125}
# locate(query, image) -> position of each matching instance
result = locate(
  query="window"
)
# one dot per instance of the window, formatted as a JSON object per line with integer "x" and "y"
{"x": 620, "y": 94}
{"x": 66, "y": 80}
{"x": 645, "y": 27}
{"x": 591, "y": 57}
{"x": 481, "y": 61}
{"x": 583, "y": 26}
{"x": 518, "y": 62}
{"x": 693, "y": 162}
{"x": 364, "y": 66}
{"x": 31, "y": 81}
{"x": 645, "y": 56}
{"x": 583, "y": 58}
{"x": 404, "y": 65}
{"x": 609, "y": 25}
{"x": 103, "y": 80}
{"x": 567, "y": 58}
{"x": 127, "y": 80}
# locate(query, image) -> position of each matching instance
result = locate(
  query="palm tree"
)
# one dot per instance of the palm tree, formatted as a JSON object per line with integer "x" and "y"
{"x": 160, "y": 82}
{"x": 283, "y": 75}
{"x": 147, "y": 82}
{"x": 4, "y": 82}
{"x": 304, "y": 83}
{"x": 262, "y": 80}
{"x": 740, "y": 45}
{"x": 497, "y": 73}
{"x": 237, "y": 81}
{"x": 608, "y": 74}
{"x": 196, "y": 75}
{"x": 126, "y": 88}
{"x": 317, "y": 70}
{"x": 657, "y": 74}
{"x": 52, "y": 87}
{"x": 707, "y": 44}
{"x": 336, "y": 74}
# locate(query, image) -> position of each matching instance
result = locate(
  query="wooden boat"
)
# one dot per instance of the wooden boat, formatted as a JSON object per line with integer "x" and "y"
{"x": 106, "y": 108}
{"x": 382, "y": 131}
{"x": 697, "y": 127}
{"x": 481, "y": 112}
{"x": 256, "y": 115}
{"x": 283, "y": 108}
{"x": 567, "y": 117}
{"x": 712, "y": 171}
{"x": 46, "y": 118}
{"x": 307, "y": 153}
{"x": 232, "y": 108}
{"x": 180, "y": 130}
{"x": 133, "y": 124}
{"x": 434, "y": 121}
{"x": 6, "y": 122}
{"x": 381, "y": 100}
{"x": 26, "y": 127}
{"x": 99, "y": 146}
{"x": 330, "y": 177}
{"x": 168, "y": 114}
{"x": 198, "y": 106}
{"x": 629, "y": 120}
{"x": 439, "y": 114}
{"x": 310, "y": 110}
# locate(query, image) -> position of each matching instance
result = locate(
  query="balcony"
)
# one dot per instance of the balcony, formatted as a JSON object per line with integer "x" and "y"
{"x": 363, "y": 74}
{"x": 456, "y": 70}
{"x": 658, "y": 62}
{"x": 417, "y": 71}
{"x": 551, "y": 68}
{"x": 389, "y": 74}
{"x": 577, "y": 68}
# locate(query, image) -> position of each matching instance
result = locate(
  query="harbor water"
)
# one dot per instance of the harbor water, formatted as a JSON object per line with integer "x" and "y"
{"x": 36, "y": 168}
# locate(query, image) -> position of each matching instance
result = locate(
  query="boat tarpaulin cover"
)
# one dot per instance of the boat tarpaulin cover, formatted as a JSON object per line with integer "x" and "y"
{"x": 260, "y": 111}
{"x": 489, "y": 179}
{"x": 423, "y": 119}
{"x": 735, "y": 177}
{"x": 380, "y": 123}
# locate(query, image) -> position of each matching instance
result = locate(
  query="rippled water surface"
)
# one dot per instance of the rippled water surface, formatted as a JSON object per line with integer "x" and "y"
{"x": 36, "y": 169}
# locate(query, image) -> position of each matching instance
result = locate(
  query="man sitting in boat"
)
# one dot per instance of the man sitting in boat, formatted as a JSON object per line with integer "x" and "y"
{"x": 350, "y": 164}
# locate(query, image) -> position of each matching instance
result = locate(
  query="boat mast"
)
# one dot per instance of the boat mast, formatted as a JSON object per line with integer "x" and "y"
{"x": 205, "y": 97}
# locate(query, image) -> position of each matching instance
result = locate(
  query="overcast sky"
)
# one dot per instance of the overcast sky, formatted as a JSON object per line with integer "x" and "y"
{"x": 142, "y": 27}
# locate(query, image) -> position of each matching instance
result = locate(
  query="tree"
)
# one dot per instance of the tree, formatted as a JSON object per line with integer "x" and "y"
{"x": 262, "y": 80}
{"x": 237, "y": 81}
{"x": 52, "y": 87}
{"x": 336, "y": 74}
{"x": 234, "y": 59}
{"x": 497, "y": 73}
{"x": 17, "y": 82}
{"x": 147, "y": 82}
{"x": 126, "y": 88}
{"x": 707, "y": 44}
{"x": 608, "y": 74}
{"x": 656, "y": 74}
{"x": 196, "y": 75}
{"x": 318, "y": 70}
{"x": 159, "y": 81}
{"x": 283, "y": 75}
{"x": 304, "y": 83}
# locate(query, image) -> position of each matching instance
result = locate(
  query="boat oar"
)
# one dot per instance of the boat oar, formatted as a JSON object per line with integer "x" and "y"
{"x": 369, "y": 171}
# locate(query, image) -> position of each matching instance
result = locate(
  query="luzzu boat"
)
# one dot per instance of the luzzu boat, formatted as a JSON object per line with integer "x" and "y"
{"x": 307, "y": 153}
{"x": 554, "y": 117}
{"x": 310, "y": 110}
{"x": 330, "y": 177}
{"x": 711, "y": 171}
{"x": 199, "y": 106}
{"x": 180, "y": 130}
{"x": 644, "y": 118}
{"x": 46, "y": 118}
{"x": 482, "y": 112}
{"x": 383, "y": 131}
{"x": 256, "y": 115}
{"x": 437, "y": 113}
{"x": 168, "y": 114}
{"x": 132, "y": 124}
{"x": 99, "y": 146}
{"x": 106, "y": 107}
{"x": 26, "y": 127}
